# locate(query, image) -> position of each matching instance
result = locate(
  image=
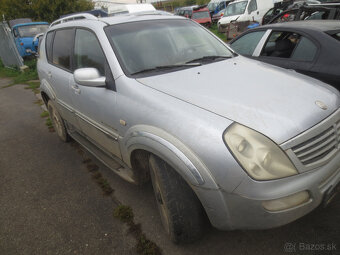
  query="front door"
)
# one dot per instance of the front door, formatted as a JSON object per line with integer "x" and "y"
{"x": 95, "y": 107}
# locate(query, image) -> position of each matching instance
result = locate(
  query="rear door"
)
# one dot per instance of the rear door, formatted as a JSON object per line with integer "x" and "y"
{"x": 59, "y": 45}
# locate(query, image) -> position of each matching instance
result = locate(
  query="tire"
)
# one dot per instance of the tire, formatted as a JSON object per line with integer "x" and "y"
{"x": 181, "y": 212}
{"x": 58, "y": 122}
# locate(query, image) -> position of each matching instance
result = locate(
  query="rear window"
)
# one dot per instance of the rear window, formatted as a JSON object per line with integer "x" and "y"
{"x": 200, "y": 15}
{"x": 49, "y": 38}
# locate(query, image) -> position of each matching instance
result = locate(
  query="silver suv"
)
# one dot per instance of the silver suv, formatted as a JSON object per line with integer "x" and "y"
{"x": 155, "y": 96}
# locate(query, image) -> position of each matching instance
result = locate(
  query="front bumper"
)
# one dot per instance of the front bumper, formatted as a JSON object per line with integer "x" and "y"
{"x": 243, "y": 208}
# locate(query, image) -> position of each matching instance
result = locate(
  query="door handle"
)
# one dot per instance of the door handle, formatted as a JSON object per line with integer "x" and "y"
{"x": 76, "y": 89}
{"x": 49, "y": 74}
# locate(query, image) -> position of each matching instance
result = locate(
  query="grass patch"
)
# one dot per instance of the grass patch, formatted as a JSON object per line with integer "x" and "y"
{"x": 124, "y": 213}
{"x": 18, "y": 76}
{"x": 39, "y": 102}
{"x": 213, "y": 29}
{"x": 49, "y": 124}
{"x": 34, "y": 86}
{"x": 44, "y": 114}
{"x": 147, "y": 247}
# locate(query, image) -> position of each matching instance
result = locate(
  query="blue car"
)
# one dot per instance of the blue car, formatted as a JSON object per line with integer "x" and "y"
{"x": 24, "y": 36}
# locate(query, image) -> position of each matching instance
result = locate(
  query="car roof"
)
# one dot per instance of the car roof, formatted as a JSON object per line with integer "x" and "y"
{"x": 140, "y": 16}
{"x": 316, "y": 25}
{"x": 85, "y": 18}
{"x": 30, "y": 24}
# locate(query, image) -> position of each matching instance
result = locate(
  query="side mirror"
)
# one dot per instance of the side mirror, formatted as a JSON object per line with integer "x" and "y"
{"x": 89, "y": 77}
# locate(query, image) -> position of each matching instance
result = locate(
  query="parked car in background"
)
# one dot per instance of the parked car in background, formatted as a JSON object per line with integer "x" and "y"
{"x": 309, "y": 47}
{"x": 244, "y": 10}
{"x": 200, "y": 14}
{"x": 216, "y": 6}
{"x": 216, "y": 17}
{"x": 284, "y": 6}
{"x": 157, "y": 96}
{"x": 323, "y": 11}
{"x": 24, "y": 35}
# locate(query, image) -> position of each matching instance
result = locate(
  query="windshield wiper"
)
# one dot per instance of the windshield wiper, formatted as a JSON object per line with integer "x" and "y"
{"x": 159, "y": 68}
{"x": 208, "y": 58}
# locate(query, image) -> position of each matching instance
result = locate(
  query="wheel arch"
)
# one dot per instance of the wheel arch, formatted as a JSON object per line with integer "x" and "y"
{"x": 168, "y": 148}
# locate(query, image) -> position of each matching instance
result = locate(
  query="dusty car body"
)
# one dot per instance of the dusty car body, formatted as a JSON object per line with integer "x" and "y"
{"x": 244, "y": 150}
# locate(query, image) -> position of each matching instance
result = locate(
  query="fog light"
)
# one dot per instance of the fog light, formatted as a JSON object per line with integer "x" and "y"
{"x": 286, "y": 202}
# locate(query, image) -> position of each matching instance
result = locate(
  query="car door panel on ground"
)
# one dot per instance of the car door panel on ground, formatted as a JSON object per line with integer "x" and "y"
{"x": 94, "y": 105}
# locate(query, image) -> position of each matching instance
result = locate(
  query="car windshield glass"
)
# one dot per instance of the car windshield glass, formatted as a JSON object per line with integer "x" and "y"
{"x": 200, "y": 15}
{"x": 212, "y": 6}
{"x": 31, "y": 31}
{"x": 148, "y": 45}
{"x": 235, "y": 8}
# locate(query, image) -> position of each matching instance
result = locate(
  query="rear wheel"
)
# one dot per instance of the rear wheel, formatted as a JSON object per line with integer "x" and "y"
{"x": 181, "y": 212}
{"x": 58, "y": 122}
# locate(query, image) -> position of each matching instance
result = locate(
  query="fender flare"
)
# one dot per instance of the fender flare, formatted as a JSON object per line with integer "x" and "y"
{"x": 171, "y": 150}
{"x": 47, "y": 88}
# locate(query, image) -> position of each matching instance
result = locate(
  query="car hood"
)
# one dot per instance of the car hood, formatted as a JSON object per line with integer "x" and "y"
{"x": 278, "y": 103}
{"x": 227, "y": 19}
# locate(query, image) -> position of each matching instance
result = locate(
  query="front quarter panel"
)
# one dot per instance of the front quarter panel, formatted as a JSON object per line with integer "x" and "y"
{"x": 180, "y": 133}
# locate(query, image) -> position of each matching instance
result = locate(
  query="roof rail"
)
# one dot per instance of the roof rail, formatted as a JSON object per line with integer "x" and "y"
{"x": 74, "y": 17}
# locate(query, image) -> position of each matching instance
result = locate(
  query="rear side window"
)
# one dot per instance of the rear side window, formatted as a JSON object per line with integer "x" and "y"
{"x": 49, "y": 38}
{"x": 62, "y": 48}
{"x": 247, "y": 43}
{"x": 87, "y": 51}
{"x": 305, "y": 50}
{"x": 290, "y": 45}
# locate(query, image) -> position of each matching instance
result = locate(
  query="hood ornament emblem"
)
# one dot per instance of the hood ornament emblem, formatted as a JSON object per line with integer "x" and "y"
{"x": 321, "y": 105}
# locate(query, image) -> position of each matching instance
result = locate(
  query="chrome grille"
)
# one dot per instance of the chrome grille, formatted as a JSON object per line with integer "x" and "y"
{"x": 319, "y": 148}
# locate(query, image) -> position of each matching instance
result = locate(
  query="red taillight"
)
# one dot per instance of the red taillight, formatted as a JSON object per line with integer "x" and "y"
{"x": 21, "y": 43}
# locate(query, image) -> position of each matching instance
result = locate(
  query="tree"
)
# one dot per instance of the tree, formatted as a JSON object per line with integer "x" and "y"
{"x": 42, "y": 10}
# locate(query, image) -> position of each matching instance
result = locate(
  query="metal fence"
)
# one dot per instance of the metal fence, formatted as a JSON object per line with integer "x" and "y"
{"x": 8, "y": 51}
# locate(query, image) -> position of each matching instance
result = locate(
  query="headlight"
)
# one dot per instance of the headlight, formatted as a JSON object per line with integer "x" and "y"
{"x": 257, "y": 154}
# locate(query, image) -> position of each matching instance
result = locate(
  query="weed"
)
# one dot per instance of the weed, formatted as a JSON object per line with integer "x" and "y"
{"x": 44, "y": 114}
{"x": 18, "y": 76}
{"x": 39, "y": 102}
{"x": 34, "y": 86}
{"x": 147, "y": 247}
{"x": 124, "y": 213}
{"x": 49, "y": 124}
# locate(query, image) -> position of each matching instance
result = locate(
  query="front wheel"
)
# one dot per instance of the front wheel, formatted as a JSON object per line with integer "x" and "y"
{"x": 181, "y": 212}
{"x": 57, "y": 121}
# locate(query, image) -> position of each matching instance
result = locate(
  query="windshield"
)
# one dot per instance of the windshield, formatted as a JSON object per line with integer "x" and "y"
{"x": 212, "y": 6}
{"x": 235, "y": 8}
{"x": 31, "y": 31}
{"x": 157, "y": 43}
{"x": 200, "y": 15}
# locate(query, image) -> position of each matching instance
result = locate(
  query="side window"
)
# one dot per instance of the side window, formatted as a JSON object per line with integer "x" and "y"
{"x": 305, "y": 50}
{"x": 87, "y": 51}
{"x": 252, "y": 6}
{"x": 247, "y": 43}
{"x": 62, "y": 48}
{"x": 290, "y": 45}
{"x": 48, "y": 43}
